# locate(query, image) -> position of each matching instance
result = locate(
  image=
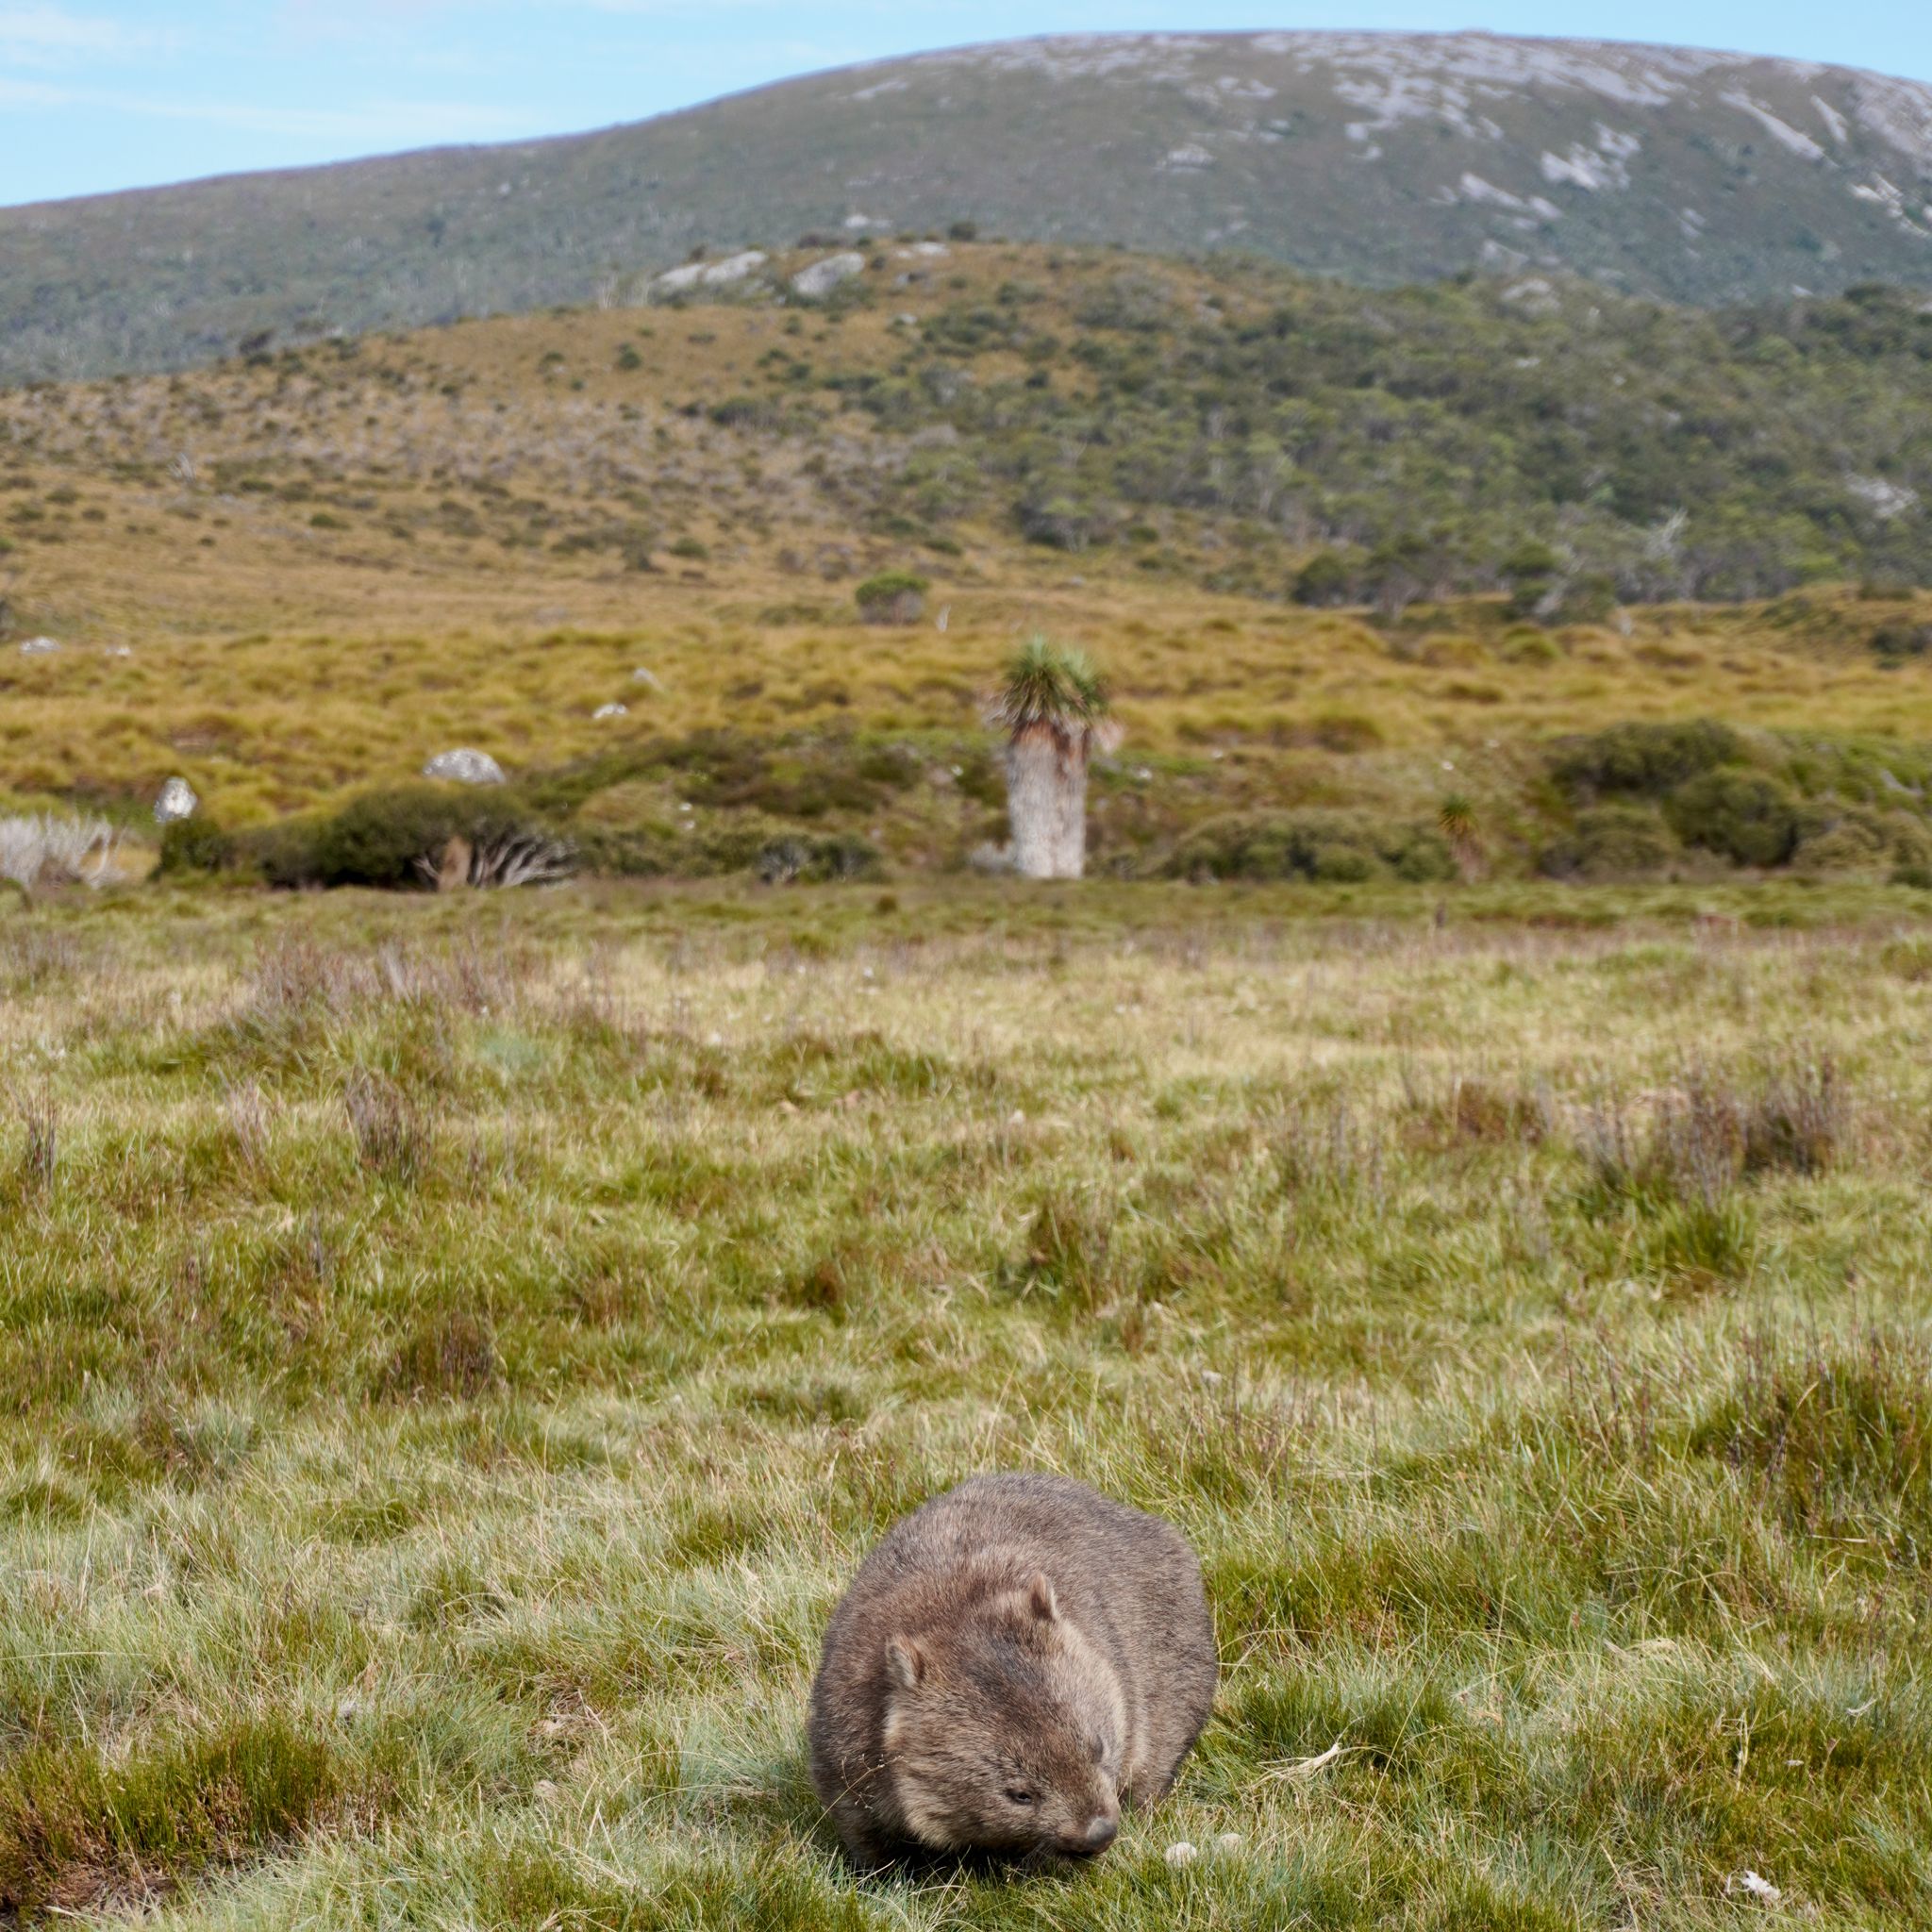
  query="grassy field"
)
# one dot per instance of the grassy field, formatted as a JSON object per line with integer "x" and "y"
{"x": 452, "y": 1351}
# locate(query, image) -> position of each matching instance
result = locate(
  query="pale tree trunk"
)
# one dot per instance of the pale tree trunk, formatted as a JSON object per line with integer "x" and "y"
{"x": 1046, "y": 803}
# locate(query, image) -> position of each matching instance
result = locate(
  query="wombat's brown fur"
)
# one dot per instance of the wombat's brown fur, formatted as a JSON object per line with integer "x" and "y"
{"x": 1011, "y": 1662}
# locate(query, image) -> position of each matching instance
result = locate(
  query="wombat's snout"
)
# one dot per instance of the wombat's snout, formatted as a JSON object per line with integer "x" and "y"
{"x": 1099, "y": 1832}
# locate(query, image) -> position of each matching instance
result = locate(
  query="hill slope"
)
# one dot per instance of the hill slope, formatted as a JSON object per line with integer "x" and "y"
{"x": 298, "y": 573}
{"x": 1380, "y": 158}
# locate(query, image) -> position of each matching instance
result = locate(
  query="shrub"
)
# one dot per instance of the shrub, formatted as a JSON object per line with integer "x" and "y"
{"x": 1749, "y": 817}
{"x": 1854, "y": 842}
{"x": 1529, "y": 572}
{"x": 1319, "y": 845}
{"x": 1527, "y": 643}
{"x": 1644, "y": 758}
{"x": 1327, "y": 578}
{"x": 1892, "y": 644}
{"x": 843, "y": 856}
{"x": 1612, "y": 841}
{"x": 894, "y": 596}
{"x": 1588, "y": 600}
{"x": 1065, "y": 520}
{"x": 196, "y": 845}
{"x": 397, "y": 840}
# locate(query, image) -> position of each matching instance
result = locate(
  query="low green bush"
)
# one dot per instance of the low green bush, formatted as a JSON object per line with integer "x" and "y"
{"x": 893, "y": 596}
{"x": 793, "y": 860}
{"x": 1644, "y": 758}
{"x": 1619, "y": 841}
{"x": 1856, "y": 838}
{"x": 1326, "y": 579}
{"x": 1747, "y": 817}
{"x": 1317, "y": 845}
{"x": 384, "y": 839}
{"x": 195, "y": 845}
{"x": 1893, "y": 643}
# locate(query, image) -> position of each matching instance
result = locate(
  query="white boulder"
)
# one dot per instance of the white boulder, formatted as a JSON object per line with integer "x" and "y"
{"x": 709, "y": 275}
{"x": 611, "y": 710}
{"x": 464, "y": 767}
{"x": 178, "y": 801}
{"x": 821, "y": 278}
{"x": 39, "y": 647}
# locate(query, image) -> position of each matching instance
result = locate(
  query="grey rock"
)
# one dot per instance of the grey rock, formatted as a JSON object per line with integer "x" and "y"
{"x": 464, "y": 767}
{"x": 178, "y": 801}
{"x": 817, "y": 281}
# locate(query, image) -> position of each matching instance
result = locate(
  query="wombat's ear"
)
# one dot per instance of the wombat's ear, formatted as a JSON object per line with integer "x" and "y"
{"x": 1040, "y": 1597}
{"x": 907, "y": 1662}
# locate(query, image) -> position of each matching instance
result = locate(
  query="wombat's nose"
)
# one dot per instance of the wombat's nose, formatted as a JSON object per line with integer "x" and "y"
{"x": 1102, "y": 1831}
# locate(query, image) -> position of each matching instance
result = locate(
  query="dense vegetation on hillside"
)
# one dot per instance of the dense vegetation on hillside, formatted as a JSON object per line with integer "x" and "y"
{"x": 1573, "y": 449}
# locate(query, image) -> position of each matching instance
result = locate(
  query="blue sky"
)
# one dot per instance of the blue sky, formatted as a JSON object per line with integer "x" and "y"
{"x": 97, "y": 94}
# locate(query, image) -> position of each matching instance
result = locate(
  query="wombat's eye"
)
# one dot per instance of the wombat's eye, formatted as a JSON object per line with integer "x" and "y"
{"x": 1018, "y": 1794}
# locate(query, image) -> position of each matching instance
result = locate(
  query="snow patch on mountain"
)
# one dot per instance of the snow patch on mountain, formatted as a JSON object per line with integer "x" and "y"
{"x": 1780, "y": 131}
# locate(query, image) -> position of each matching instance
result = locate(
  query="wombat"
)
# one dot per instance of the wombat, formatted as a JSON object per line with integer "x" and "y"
{"x": 1012, "y": 1661}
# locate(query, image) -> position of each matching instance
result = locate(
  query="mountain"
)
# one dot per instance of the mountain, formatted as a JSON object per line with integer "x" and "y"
{"x": 1698, "y": 178}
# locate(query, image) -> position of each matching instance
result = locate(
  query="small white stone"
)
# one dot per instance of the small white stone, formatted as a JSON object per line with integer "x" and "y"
{"x": 611, "y": 710}
{"x": 39, "y": 647}
{"x": 178, "y": 801}
{"x": 1228, "y": 1841}
{"x": 1016, "y": 1119}
{"x": 1180, "y": 1855}
{"x": 465, "y": 767}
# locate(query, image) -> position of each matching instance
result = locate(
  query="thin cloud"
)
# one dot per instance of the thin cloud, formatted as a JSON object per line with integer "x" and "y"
{"x": 379, "y": 123}
{"x": 52, "y": 36}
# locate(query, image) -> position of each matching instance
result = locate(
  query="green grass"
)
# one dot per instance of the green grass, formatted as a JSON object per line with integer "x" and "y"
{"x": 452, "y": 1354}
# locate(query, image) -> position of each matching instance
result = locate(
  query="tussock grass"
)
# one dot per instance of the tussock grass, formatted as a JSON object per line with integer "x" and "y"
{"x": 462, "y": 1349}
